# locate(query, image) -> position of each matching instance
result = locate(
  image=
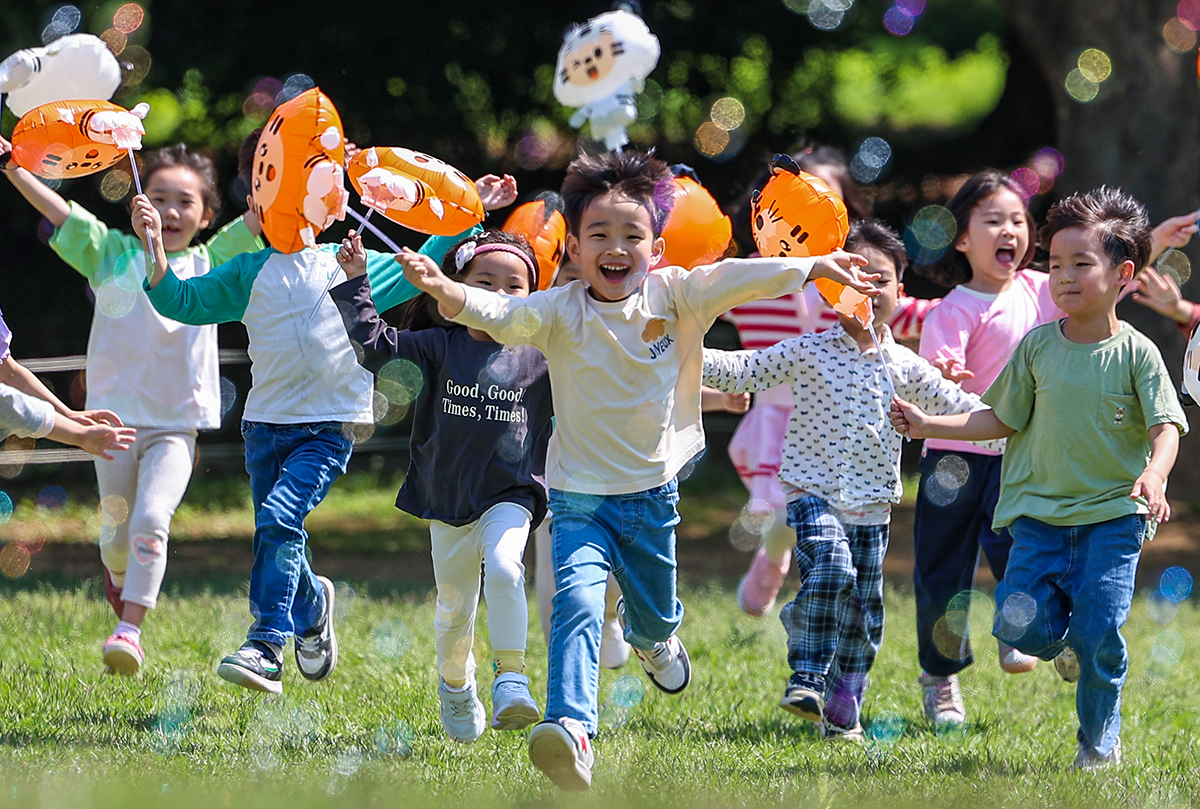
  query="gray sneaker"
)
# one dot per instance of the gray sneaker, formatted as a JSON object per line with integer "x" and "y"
{"x": 943, "y": 700}
{"x": 513, "y": 707}
{"x": 463, "y": 716}
{"x": 1088, "y": 759}
{"x": 316, "y": 648}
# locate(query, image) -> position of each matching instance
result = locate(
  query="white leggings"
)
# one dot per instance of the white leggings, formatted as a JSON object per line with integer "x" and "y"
{"x": 146, "y": 483}
{"x": 497, "y": 541}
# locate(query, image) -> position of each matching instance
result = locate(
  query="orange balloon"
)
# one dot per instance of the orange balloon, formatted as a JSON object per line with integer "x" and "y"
{"x": 416, "y": 190}
{"x": 298, "y": 183}
{"x": 54, "y": 142}
{"x": 697, "y": 231}
{"x": 542, "y": 224}
{"x": 797, "y": 214}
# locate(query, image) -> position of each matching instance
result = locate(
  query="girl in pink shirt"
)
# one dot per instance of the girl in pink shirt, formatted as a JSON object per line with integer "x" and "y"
{"x": 995, "y": 300}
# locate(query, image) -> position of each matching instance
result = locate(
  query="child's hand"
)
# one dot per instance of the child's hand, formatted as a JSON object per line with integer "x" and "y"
{"x": 951, "y": 370}
{"x": 737, "y": 403}
{"x": 908, "y": 419}
{"x": 845, "y": 268}
{"x": 147, "y": 224}
{"x": 351, "y": 149}
{"x": 5, "y": 147}
{"x": 496, "y": 192}
{"x": 90, "y": 417}
{"x": 101, "y": 439}
{"x": 1174, "y": 232}
{"x": 250, "y": 218}
{"x": 353, "y": 256}
{"x": 1160, "y": 293}
{"x": 1152, "y": 486}
{"x": 421, "y": 271}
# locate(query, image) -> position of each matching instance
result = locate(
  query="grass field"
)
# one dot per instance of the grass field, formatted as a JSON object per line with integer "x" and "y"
{"x": 370, "y": 736}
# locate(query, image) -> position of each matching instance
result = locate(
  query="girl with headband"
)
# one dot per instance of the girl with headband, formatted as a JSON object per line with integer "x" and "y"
{"x": 481, "y": 422}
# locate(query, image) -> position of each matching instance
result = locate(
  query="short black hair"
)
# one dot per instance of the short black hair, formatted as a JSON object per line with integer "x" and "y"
{"x": 634, "y": 175}
{"x": 874, "y": 235}
{"x": 1119, "y": 219}
{"x": 953, "y": 268}
{"x": 200, "y": 164}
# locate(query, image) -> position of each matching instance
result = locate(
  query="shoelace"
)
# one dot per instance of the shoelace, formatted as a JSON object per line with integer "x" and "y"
{"x": 462, "y": 710}
{"x": 310, "y": 644}
{"x": 945, "y": 695}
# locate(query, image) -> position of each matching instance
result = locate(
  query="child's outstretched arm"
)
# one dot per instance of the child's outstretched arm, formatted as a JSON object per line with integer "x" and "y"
{"x": 749, "y": 371}
{"x": 97, "y": 439}
{"x": 424, "y": 273}
{"x": 380, "y": 342}
{"x": 978, "y": 425}
{"x": 48, "y": 202}
{"x": 713, "y": 400}
{"x": 16, "y": 375}
{"x": 1152, "y": 483}
{"x": 1174, "y": 232}
{"x": 1162, "y": 294}
{"x": 147, "y": 224}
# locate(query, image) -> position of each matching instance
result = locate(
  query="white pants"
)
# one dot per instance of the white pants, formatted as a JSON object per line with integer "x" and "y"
{"x": 497, "y": 541}
{"x": 543, "y": 577}
{"x": 146, "y": 483}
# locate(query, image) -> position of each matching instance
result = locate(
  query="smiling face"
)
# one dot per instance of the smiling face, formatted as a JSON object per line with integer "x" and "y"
{"x": 616, "y": 246}
{"x": 500, "y": 272}
{"x": 996, "y": 240}
{"x": 589, "y": 59}
{"x": 177, "y": 193}
{"x": 1083, "y": 280}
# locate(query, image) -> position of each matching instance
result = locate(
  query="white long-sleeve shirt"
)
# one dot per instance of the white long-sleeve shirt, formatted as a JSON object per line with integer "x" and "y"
{"x": 840, "y": 445}
{"x": 625, "y": 375}
{"x": 24, "y": 415}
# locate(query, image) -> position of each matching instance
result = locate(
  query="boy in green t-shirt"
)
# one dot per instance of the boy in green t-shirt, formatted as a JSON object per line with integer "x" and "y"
{"x": 1094, "y": 423}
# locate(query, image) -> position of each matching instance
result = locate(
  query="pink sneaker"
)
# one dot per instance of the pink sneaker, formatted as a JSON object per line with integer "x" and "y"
{"x": 1014, "y": 661}
{"x": 759, "y": 587}
{"x": 112, "y": 594}
{"x": 123, "y": 654}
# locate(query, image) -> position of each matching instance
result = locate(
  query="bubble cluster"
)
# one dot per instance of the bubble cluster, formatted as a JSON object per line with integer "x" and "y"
{"x": 748, "y": 530}
{"x": 400, "y": 381}
{"x": 870, "y": 160}
{"x": 886, "y": 728}
{"x": 1093, "y": 67}
{"x": 824, "y": 15}
{"x": 931, "y": 231}
{"x": 949, "y": 476}
{"x": 64, "y": 20}
{"x": 393, "y": 638}
{"x": 395, "y": 739}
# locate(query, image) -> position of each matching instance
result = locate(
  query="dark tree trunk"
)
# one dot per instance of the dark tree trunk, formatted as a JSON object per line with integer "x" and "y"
{"x": 1140, "y": 133}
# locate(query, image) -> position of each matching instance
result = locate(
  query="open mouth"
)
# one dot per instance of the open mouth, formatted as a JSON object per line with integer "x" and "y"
{"x": 613, "y": 273}
{"x": 1006, "y": 256}
{"x": 592, "y": 72}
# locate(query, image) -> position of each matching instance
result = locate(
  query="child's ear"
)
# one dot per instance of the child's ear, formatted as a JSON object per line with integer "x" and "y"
{"x": 961, "y": 245}
{"x": 656, "y": 253}
{"x": 206, "y": 220}
{"x": 1127, "y": 271}
{"x": 900, "y": 289}
{"x": 573, "y": 247}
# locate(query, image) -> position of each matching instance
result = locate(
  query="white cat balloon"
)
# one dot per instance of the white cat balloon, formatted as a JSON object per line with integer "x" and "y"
{"x": 72, "y": 68}
{"x": 602, "y": 66}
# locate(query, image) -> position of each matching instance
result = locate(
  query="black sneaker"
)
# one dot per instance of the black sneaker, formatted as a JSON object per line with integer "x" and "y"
{"x": 804, "y": 699}
{"x": 317, "y": 649}
{"x": 253, "y": 666}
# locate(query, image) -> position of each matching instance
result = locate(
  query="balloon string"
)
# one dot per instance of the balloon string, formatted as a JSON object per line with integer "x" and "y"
{"x": 333, "y": 276}
{"x": 383, "y": 237}
{"x": 137, "y": 182}
{"x": 887, "y": 371}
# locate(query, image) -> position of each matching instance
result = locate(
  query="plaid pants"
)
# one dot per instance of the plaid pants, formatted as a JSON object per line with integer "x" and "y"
{"x": 835, "y": 623}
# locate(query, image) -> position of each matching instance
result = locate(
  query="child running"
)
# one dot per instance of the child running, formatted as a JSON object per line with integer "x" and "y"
{"x": 160, "y": 375}
{"x": 476, "y": 470}
{"x": 995, "y": 300}
{"x": 1093, "y": 423}
{"x": 624, "y": 353}
{"x": 841, "y": 475}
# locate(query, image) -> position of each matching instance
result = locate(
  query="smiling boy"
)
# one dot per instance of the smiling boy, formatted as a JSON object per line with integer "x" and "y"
{"x": 624, "y": 353}
{"x": 1094, "y": 423}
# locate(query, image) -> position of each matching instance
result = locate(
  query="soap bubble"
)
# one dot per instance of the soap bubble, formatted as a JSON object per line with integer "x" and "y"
{"x": 344, "y": 599}
{"x": 128, "y": 18}
{"x": 1019, "y": 609}
{"x": 113, "y": 510}
{"x": 229, "y": 394}
{"x": 348, "y": 762}
{"x": 1080, "y": 87}
{"x": 1168, "y": 647}
{"x": 886, "y": 727}
{"x": 950, "y": 644}
{"x": 393, "y": 638}
{"x": 400, "y": 381}
{"x": 395, "y": 739}
{"x": 14, "y": 560}
{"x": 6, "y": 508}
{"x": 934, "y": 227}
{"x": 898, "y": 21}
{"x": 728, "y": 113}
{"x": 1175, "y": 584}
{"x": 115, "y": 185}
{"x": 1160, "y": 609}
{"x": 959, "y": 609}
{"x": 293, "y": 86}
{"x": 628, "y": 691}
{"x": 952, "y": 471}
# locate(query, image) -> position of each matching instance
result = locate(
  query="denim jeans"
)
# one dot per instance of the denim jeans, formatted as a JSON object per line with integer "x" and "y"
{"x": 1072, "y": 586}
{"x": 632, "y": 535}
{"x": 291, "y": 468}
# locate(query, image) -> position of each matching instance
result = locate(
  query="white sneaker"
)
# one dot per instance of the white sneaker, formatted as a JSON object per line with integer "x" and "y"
{"x": 614, "y": 650}
{"x": 463, "y": 715}
{"x": 1014, "y": 661}
{"x": 561, "y": 749}
{"x": 1067, "y": 665}
{"x": 836, "y": 732}
{"x": 942, "y": 700}
{"x": 667, "y": 664}
{"x": 1088, "y": 759}
{"x": 513, "y": 707}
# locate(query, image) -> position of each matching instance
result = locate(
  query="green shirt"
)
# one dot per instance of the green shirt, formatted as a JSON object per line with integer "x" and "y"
{"x": 1081, "y": 412}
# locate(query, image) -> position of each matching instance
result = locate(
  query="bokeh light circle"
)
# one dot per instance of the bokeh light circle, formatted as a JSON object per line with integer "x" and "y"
{"x": 728, "y": 113}
{"x": 1179, "y": 36}
{"x": 898, "y": 21}
{"x": 934, "y": 228}
{"x": 14, "y": 560}
{"x": 1175, "y": 584}
{"x": 1080, "y": 87}
{"x": 1095, "y": 65}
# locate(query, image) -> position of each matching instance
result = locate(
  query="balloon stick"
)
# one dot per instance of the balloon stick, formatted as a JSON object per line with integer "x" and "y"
{"x": 366, "y": 221}
{"x": 137, "y": 182}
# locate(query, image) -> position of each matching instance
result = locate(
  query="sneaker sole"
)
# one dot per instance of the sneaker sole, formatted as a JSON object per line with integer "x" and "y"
{"x": 248, "y": 679}
{"x": 552, "y": 751}
{"x": 122, "y": 659}
{"x": 1018, "y": 668}
{"x": 798, "y": 708}
{"x": 516, "y": 717}
{"x": 746, "y": 608}
{"x": 687, "y": 674}
{"x": 333, "y": 645}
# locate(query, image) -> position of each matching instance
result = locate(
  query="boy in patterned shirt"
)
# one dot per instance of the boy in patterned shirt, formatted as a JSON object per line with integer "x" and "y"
{"x": 841, "y": 474}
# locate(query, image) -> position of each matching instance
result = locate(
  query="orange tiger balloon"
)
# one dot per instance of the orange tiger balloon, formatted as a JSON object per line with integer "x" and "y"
{"x": 697, "y": 231}
{"x": 415, "y": 190}
{"x": 797, "y": 214}
{"x": 55, "y": 141}
{"x": 298, "y": 183}
{"x": 541, "y": 223}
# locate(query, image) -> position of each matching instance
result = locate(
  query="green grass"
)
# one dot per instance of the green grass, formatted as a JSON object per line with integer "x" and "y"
{"x": 177, "y": 735}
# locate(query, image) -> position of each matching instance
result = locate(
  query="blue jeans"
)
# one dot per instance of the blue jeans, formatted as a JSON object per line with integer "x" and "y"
{"x": 1077, "y": 584}
{"x": 633, "y": 536}
{"x": 291, "y": 468}
{"x": 950, "y": 527}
